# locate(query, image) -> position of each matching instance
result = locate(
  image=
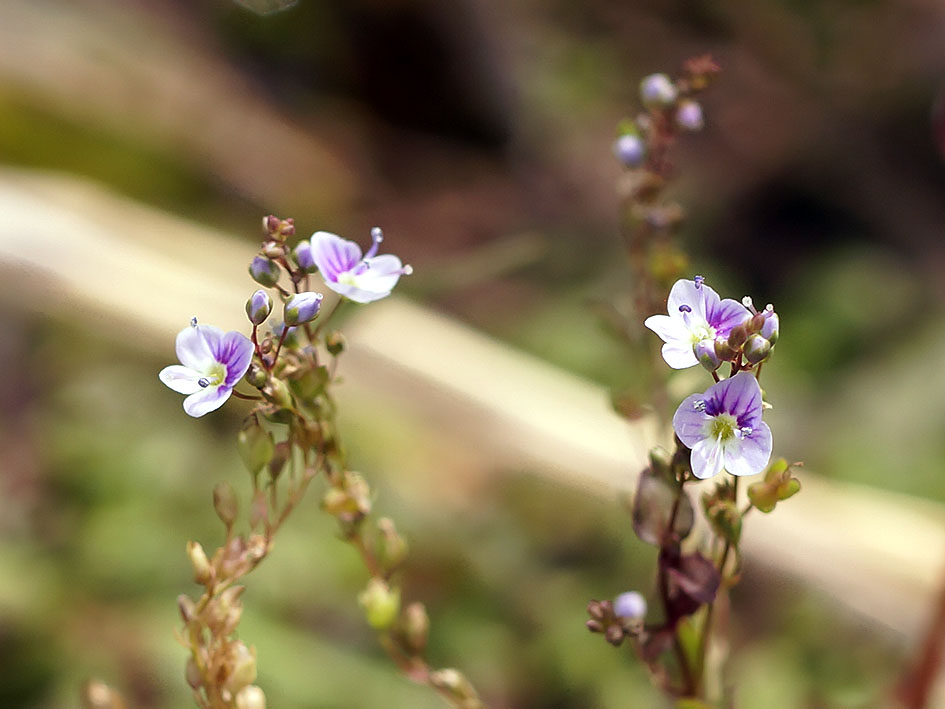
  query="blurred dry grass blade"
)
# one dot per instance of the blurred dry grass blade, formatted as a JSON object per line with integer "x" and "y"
{"x": 266, "y": 7}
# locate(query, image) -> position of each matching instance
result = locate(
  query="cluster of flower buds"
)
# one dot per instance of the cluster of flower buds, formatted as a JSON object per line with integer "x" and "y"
{"x": 670, "y": 108}
{"x": 616, "y": 620}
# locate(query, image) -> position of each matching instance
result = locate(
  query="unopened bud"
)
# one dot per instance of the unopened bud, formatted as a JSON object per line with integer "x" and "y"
{"x": 302, "y": 308}
{"x": 381, "y": 604}
{"x": 255, "y": 445}
{"x": 455, "y": 683}
{"x": 335, "y": 343}
{"x": 273, "y": 250}
{"x": 242, "y": 662}
{"x": 393, "y": 547}
{"x": 706, "y": 354}
{"x": 689, "y": 115}
{"x": 225, "y": 503}
{"x": 251, "y": 697}
{"x": 630, "y": 605}
{"x": 630, "y": 150}
{"x": 303, "y": 256}
{"x": 658, "y": 90}
{"x": 264, "y": 271}
{"x": 187, "y": 608}
{"x": 276, "y": 392}
{"x": 772, "y": 325}
{"x": 203, "y": 571}
{"x": 756, "y": 349}
{"x": 256, "y": 375}
{"x": 724, "y": 351}
{"x": 258, "y": 307}
{"x": 192, "y": 673}
{"x": 416, "y": 627}
{"x": 271, "y": 224}
{"x": 737, "y": 336}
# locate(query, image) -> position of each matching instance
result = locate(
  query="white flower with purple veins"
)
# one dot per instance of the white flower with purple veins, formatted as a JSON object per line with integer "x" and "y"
{"x": 697, "y": 316}
{"x": 723, "y": 427}
{"x": 211, "y": 364}
{"x": 362, "y": 279}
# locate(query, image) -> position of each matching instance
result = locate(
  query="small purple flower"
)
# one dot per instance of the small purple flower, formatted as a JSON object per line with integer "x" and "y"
{"x": 658, "y": 90}
{"x": 362, "y": 279}
{"x": 629, "y": 150}
{"x": 211, "y": 364}
{"x": 630, "y": 605}
{"x": 302, "y": 307}
{"x": 723, "y": 427}
{"x": 689, "y": 115}
{"x": 258, "y": 307}
{"x": 696, "y": 314}
{"x": 303, "y": 256}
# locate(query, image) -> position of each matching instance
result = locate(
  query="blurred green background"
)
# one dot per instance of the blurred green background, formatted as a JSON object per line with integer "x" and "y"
{"x": 478, "y": 134}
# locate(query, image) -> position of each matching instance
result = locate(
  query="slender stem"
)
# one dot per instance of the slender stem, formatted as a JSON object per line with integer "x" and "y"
{"x": 323, "y": 321}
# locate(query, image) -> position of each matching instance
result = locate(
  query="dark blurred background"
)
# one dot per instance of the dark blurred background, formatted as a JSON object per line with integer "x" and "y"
{"x": 478, "y": 133}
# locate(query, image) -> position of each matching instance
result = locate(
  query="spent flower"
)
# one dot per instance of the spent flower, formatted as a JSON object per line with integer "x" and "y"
{"x": 211, "y": 364}
{"x": 362, "y": 279}
{"x": 723, "y": 427}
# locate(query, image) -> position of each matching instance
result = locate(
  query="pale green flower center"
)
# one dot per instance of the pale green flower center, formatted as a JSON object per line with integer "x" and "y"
{"x": 724, "y": 427}
{"x": 701, "y": 331}
{"x": 214, "y": 376}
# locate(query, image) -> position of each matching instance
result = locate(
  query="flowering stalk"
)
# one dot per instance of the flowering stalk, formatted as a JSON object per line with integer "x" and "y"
{"x": 718, "y": 431}
{"x": 289, "y": 438}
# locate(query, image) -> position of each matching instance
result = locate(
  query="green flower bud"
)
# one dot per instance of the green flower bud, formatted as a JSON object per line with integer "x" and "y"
{"x": 276, "y": 392}
{"x": 255, "y": 446}
{"x": 242, "y": 666}
{"x": 225, "y": 504}
{"x": 264, "y": 272}
{"x": 203, "y": 571}
{"x": 335, "y": 343}
{"x": 756, "y": 349}
{"x": 258, "y": 307}
{"x": 393, "y": 547}
{"x": 381, "y": 604}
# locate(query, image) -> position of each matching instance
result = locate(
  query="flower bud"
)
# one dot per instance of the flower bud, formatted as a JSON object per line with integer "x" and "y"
{"x": 456, "y": 685}
{"x": 273, "y": 250}
{"x": 225, "y": 503}
{"x": 251, "y": 697}
{"x": 271, "y": 224}
{"x": 658, "y": 90}
{"x": 256, "y": 375}
{"x": 192, "y": 673}
{"x": 335, "y": 343}
{"x": 203, "y": 571}
{"x": 242, "y": 665}
{"x": 393, "y": 547}
{"x": 255, "y": 445}
{"x": 738, "y": 335}
{"x": 186, "y": 607}
{"x": 770, "y": 330}
{"x": 381, "y": 604}
{"x": 303, "y": 256}
{"x": 630, "y": 150}
{"x": 630, "y": 605}
{"x": 264, "y": 271}
{"x": 689, "y": 115}
{"x": 416, "y": 627}
{"x": 258, "y": 307}
{"x": 756, "y": 349}
{"x": 724, "y": 351}
{"x": 302, "y": 308}
{"x": 276, "y": 392}
{"x": 706, "y": 354}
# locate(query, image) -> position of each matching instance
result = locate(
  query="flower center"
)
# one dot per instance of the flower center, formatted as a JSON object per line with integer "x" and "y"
{"x": 699, "y": 331}
{"x": 214, "y": 376}
{"x": 724, "y": 427}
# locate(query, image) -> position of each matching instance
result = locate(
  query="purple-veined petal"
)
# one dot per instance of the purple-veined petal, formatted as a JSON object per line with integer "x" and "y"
{"x": 739, "y": 396}
{"x": 235, "y": 352}
{"x": 181, "y": 379}
{"x": 382, "y": 273}
{"x": 193, "y": 350}
{"x": 334, "y": 255}
{"x": 749, "y": 455}
{"x": 707, "y": 458}
{"x": 358, "y": 295}
{"x": 726, "y": 314}
{"x": 690, "y": 419}
{"x": 210, "y": 399}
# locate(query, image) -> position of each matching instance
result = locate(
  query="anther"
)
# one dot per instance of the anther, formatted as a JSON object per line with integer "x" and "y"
{"x": 377, "y": 234}
{"x": 699, "y": 405}
{"x": 685, "y": 309}
{"x": 698, "y": 281}
{"x": 746, "y": 431}
{"x": 747, "y": 302}
{"x": 203, "y": 382}
{"x": 193, "y": 321}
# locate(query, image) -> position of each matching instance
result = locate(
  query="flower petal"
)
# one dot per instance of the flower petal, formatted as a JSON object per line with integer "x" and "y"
{"x": 181, "y": 379}
{"x": 234, "y": 351}
{"x": 701, "y": 299}
{"x": 334, "y": 255}
{"x": 707, "y": 458}
{"x": 750, "y": 455}
{"x": 210, "y": 399}
{"x": 689, "y": 422}
{"x": 725, "y": 315}
{"x": 739, "y": 396}
{"x": 192, "y": 347}
{"x": 679, "y": 355}
{"x": 669, "y": 328}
